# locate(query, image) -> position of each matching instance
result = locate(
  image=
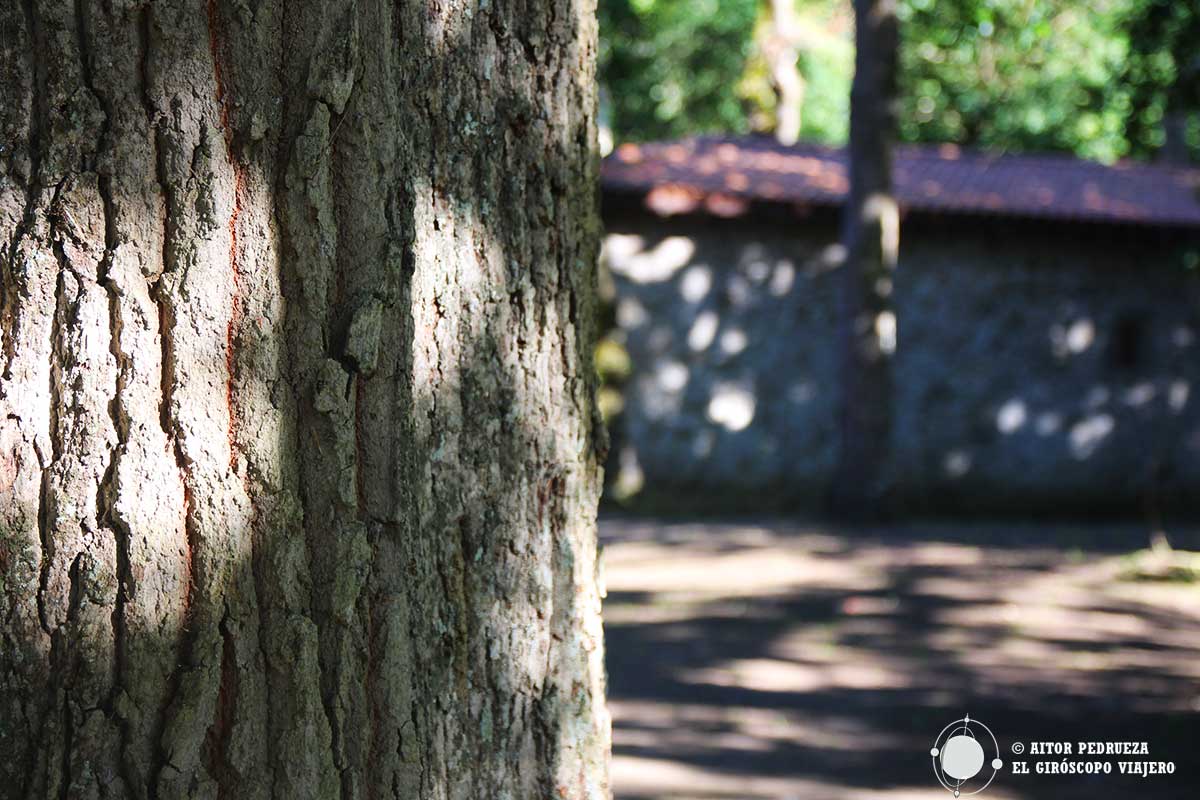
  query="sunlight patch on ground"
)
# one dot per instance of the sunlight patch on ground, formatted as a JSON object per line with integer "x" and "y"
{"x": 647, "y": 567}
{"x": 773, "y": 675}
{"x": 663, "y": 779}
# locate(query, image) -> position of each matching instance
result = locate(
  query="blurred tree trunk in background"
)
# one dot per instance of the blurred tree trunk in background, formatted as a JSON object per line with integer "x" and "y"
{"x": 1175, "y": 148}
{"x": 870, "y": 236}
{"x": 781, "y": 48}
{"x": 298, "y": 457}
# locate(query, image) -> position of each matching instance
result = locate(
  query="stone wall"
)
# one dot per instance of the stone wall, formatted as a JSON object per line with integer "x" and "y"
{"x": 1039, "y": 367}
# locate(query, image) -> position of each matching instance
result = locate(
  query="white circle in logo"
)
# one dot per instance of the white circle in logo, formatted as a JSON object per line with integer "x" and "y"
{"x": 962, "y": 757}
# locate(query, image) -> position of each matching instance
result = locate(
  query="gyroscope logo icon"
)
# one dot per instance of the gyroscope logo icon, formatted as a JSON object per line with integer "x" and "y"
{"x": 958, "y": 755}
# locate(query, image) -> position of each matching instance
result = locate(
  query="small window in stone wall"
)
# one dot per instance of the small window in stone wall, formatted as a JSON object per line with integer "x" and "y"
{"x": 1127, "y": 344}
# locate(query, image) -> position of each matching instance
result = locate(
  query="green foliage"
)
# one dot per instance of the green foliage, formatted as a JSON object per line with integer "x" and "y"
{"x": 1019, "y": 74}
{"x": 1162, "y": 72}
{"x": 672, "y": 66}
{"x": 614, "y": 367}
{"x": 826, "y": 113}
{"x": 1090, "y": 77}
{"x": 1162, "y": 565}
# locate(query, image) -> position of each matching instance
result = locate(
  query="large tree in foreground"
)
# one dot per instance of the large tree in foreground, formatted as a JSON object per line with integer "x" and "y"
{"x": 870, "y": 238}
{"x": 298, "y": 458}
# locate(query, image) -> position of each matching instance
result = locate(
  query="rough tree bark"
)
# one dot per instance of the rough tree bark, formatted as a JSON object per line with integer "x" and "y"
{"x": 870, "y": 238}
{"x": 298, "y": 453}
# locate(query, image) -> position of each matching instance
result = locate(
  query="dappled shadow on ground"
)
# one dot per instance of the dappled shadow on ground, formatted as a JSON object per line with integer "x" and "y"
{"x": 780, "y": 660}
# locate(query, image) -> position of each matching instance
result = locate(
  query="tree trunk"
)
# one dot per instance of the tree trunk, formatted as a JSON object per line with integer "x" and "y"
{"x": 1175, "y": 148}
{"x": 298, "y": 454}
{"x": 870, "y": 238}
{"x": 781, "y": 49}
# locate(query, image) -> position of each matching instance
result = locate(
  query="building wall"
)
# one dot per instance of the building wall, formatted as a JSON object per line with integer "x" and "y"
{"x": 1038, "y": 367}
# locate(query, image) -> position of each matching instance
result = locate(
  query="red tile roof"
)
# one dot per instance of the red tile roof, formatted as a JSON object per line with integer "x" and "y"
{"x": 722, "y": 174}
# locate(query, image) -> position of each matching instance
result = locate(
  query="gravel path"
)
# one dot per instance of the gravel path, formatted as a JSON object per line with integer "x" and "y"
{"x": 773, "y": 659}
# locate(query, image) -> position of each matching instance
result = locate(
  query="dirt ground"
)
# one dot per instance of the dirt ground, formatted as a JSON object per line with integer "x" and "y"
{"x": 791, "y": 661}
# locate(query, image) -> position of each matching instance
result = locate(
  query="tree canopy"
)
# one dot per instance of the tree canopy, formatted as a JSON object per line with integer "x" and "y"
{"x": 1096, "y": 78}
